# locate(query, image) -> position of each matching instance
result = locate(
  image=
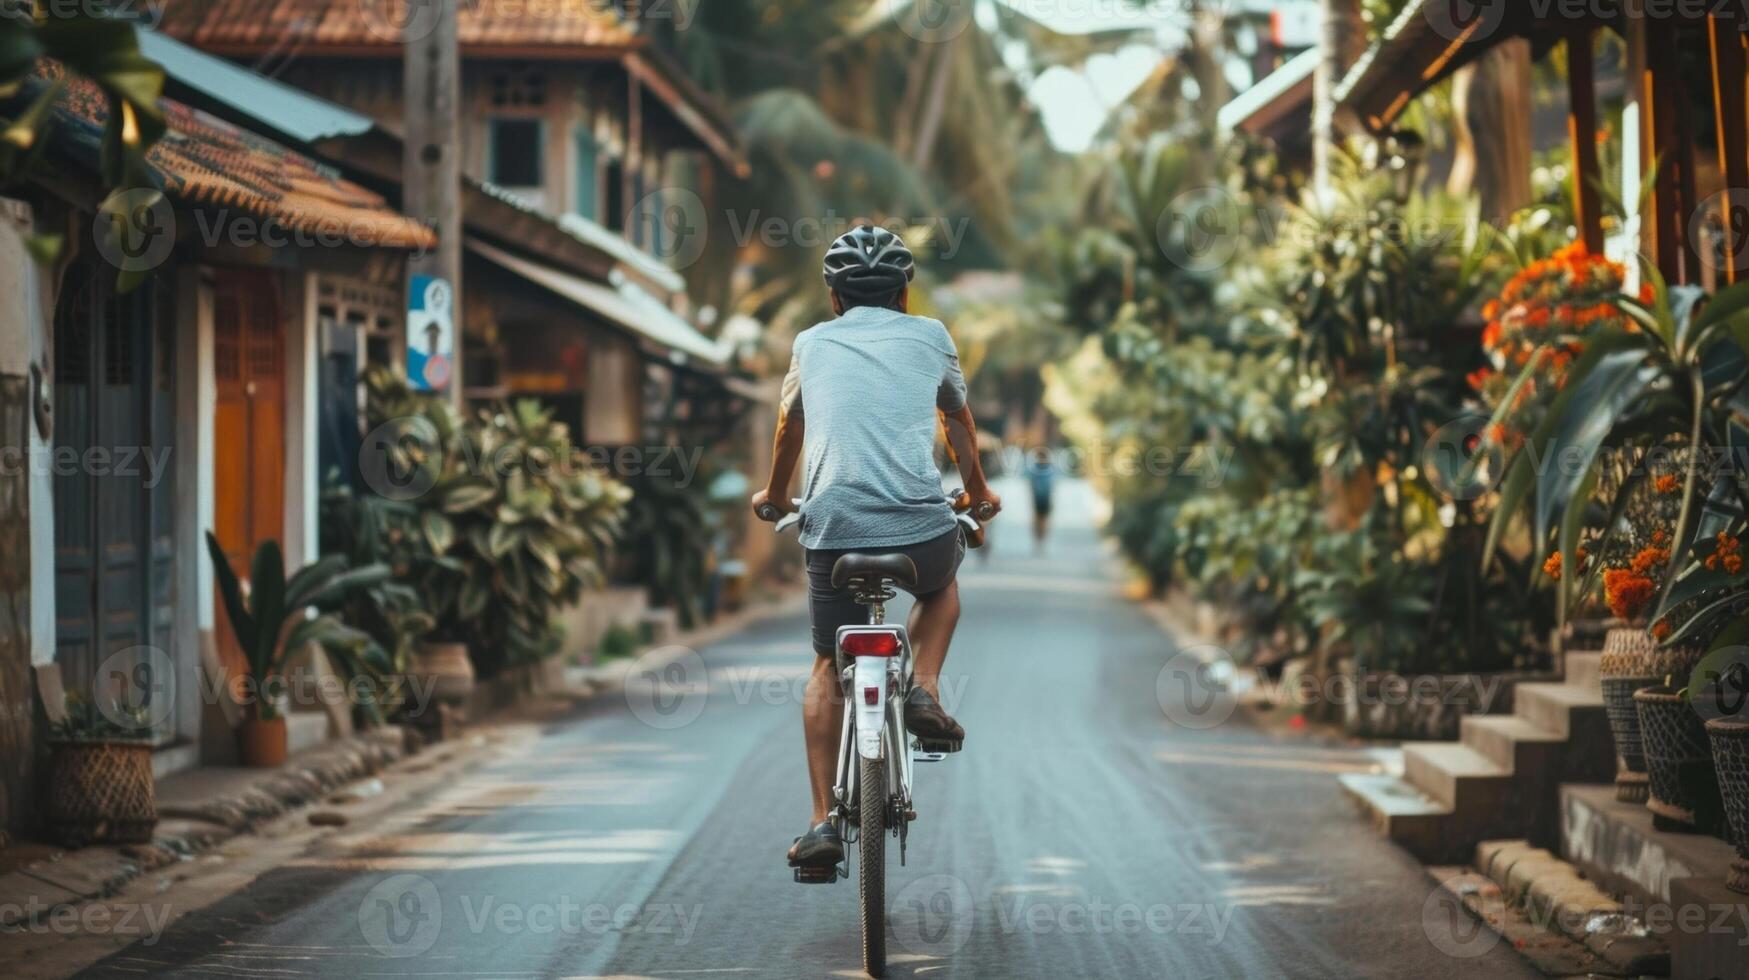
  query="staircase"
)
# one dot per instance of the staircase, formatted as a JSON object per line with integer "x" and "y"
{"x": 1502, "y": 778}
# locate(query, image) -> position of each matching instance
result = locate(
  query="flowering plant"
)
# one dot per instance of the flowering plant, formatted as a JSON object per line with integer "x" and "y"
{"x": 1545, "y": 311}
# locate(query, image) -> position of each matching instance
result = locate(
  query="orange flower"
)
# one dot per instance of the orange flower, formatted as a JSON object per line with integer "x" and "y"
{"x": 1650, "y": 559}
{"x": 1661, "y": 630}
{"x": 1726, "y": 555}
{"x": 1552, "y": 567}
{"x": 1666, "y": 483}
{"x": 1626, "y": 591}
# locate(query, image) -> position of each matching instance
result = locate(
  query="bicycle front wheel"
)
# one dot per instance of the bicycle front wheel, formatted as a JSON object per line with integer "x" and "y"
{"x": 872, "y": 836}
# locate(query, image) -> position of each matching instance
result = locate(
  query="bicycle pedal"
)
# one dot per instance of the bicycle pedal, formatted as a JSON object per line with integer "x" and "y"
{"x": 817, "y": 875}
{"x": 932, "y": 749}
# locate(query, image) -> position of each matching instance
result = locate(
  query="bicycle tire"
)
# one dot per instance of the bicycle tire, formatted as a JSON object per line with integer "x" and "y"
{"x": 872, "y": 877}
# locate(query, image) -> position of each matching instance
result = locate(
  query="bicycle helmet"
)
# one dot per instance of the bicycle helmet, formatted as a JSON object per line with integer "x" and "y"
{"x": 868, "y": 262}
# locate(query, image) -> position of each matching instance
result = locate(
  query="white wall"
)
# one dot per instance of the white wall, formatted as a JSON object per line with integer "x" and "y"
{"x": 26, "y": 316}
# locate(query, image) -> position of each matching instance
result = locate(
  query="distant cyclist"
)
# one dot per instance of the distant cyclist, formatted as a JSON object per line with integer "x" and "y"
{"x": 860, "y": 402}
{"x": 1041, "y": 474}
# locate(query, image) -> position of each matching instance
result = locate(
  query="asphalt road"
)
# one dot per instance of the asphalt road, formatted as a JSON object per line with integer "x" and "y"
{"x": 1084, "y": 831}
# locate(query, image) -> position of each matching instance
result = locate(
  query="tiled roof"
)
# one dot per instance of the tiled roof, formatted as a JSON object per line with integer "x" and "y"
{"x": 205, "y": 161}
{"x": 242, "y": 25}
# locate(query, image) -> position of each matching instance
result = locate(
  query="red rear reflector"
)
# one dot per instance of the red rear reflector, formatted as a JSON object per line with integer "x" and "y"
{"x": 881, "y": 644}
{"x": 871, "y": 696}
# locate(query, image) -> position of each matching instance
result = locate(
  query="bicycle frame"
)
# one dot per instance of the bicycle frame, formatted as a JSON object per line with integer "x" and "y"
{"x": 874, "y": 731}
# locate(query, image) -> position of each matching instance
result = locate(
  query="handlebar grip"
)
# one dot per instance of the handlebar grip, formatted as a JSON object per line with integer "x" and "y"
{"x": 984, "y": 511}
{"x": 768, "y": 513}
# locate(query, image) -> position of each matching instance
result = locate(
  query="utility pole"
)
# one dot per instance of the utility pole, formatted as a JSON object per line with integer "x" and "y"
{"x": 1340, "y": 45}
{"x": 431, "y": 165}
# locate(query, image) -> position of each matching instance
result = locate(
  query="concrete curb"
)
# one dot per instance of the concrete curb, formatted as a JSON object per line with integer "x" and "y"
{"x": 1558, "y": 899}
{"x": 610, "y": 677}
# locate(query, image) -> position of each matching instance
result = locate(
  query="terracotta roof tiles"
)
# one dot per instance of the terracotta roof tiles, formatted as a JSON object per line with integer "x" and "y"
{"x": 205, "y": 161}
{"x": 256, "y": 25}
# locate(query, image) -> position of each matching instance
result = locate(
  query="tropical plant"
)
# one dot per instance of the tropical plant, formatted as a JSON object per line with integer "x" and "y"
{"x": 274, "y": 617}
{"x": 370, "y": 530}
{"x": 85, "y": 721}
{"x": 516, "y": 522}
{"x": 1671, "y": 379}
{"x": 666, "y": 539}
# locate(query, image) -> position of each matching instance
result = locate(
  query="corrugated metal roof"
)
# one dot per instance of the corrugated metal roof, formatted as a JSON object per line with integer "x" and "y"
{"x": 626, "y": 305}
{"x": 1271, "y": 87}
{"x": 289, "y": 110}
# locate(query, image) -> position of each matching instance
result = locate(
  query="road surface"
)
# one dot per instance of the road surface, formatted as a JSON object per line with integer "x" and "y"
{"x": 1093, "y": 826}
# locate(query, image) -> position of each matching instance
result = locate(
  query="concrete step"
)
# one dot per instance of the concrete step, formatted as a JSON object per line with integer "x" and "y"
{"x": 1456, "y": 775}
{"x": 1403, "y": 814}
{"x": 1585, "y": 669}
{"x": 1560, "y": 708}
{"x": 1513, "y": 743}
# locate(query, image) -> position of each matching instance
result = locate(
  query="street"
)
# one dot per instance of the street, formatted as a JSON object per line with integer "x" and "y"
{"x": 1080, "y": 833}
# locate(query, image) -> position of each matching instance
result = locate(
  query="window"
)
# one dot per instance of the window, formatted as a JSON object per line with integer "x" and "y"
{"x": 613, "y": 213}
{"x": 513, "y": 155}
{"x": 584, "y": 173}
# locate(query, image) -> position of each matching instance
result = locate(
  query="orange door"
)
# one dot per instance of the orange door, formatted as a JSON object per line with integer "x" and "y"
{"x": 248, "y": 428}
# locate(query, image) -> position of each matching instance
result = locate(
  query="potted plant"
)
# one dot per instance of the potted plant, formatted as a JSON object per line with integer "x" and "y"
{"x": 274, "y": 617}
{"x": 1667, "y": 379}
{"x": 101, "y": 787}
{"x": 1683, "y": 790}
{"x": 1719, "y": 692}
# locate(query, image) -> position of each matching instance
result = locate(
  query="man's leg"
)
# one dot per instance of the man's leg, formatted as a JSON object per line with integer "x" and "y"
{"x": 931, "y": 627}
{"x": 822, "y": 724}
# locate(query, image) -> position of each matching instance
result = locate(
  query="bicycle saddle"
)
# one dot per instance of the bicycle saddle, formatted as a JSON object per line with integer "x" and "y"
{"x": 898, "y": 569}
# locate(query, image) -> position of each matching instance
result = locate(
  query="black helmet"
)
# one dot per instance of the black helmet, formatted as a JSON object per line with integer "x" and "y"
{"x": 868, "y": 262}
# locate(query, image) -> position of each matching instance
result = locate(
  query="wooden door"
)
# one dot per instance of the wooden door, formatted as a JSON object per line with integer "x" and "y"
{"x": 248, "y": 428}
{"x": 114, "y": 494}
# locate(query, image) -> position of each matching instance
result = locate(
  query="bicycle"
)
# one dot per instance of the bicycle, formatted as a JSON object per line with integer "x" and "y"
{"x": 875, "y": 752}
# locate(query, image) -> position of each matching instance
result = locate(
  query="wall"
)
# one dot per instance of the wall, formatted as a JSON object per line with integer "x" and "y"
{"x": 23, "y": 321}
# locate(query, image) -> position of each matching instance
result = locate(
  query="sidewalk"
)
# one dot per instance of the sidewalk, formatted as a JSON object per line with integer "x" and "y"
{"x": 202, "y": 808}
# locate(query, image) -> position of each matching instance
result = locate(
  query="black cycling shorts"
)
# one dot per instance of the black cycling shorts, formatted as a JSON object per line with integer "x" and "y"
{"x": 937, "y": 561}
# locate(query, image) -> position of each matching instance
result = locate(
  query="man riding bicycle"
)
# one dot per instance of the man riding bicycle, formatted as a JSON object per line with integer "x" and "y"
{"x": 862, "y": 398}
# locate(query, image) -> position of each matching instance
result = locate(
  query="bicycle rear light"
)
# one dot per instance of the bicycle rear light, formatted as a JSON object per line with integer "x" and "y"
{"x": 871, "y": 643}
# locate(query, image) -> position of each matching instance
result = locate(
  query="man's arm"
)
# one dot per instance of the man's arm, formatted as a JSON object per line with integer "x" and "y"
{"x": 785, "y": 451}
{"x": 787, "y": 447}
{"x": 962, "y": 442}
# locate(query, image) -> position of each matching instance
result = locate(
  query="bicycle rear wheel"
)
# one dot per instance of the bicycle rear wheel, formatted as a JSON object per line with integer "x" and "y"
{"x": 872, "y": 883}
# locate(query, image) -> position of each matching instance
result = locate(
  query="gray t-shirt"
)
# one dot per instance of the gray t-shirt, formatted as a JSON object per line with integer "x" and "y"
{"x": 868, "y": 385}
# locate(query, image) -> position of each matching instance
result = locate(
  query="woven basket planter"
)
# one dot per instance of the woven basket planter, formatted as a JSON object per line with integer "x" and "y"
{"x": 1730, "y": 739}
{"x": 1684, "y": 790}
{"x": 1632, "y": 660}
{"x": 102, "y": 792}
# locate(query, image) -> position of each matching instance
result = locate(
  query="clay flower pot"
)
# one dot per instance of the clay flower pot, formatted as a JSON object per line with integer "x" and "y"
{"x": 1730, "y": 741}
{"x": 1632, "y": 660}
{"x": 261, "y": 742}
{"x": 1684, "y": 790}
